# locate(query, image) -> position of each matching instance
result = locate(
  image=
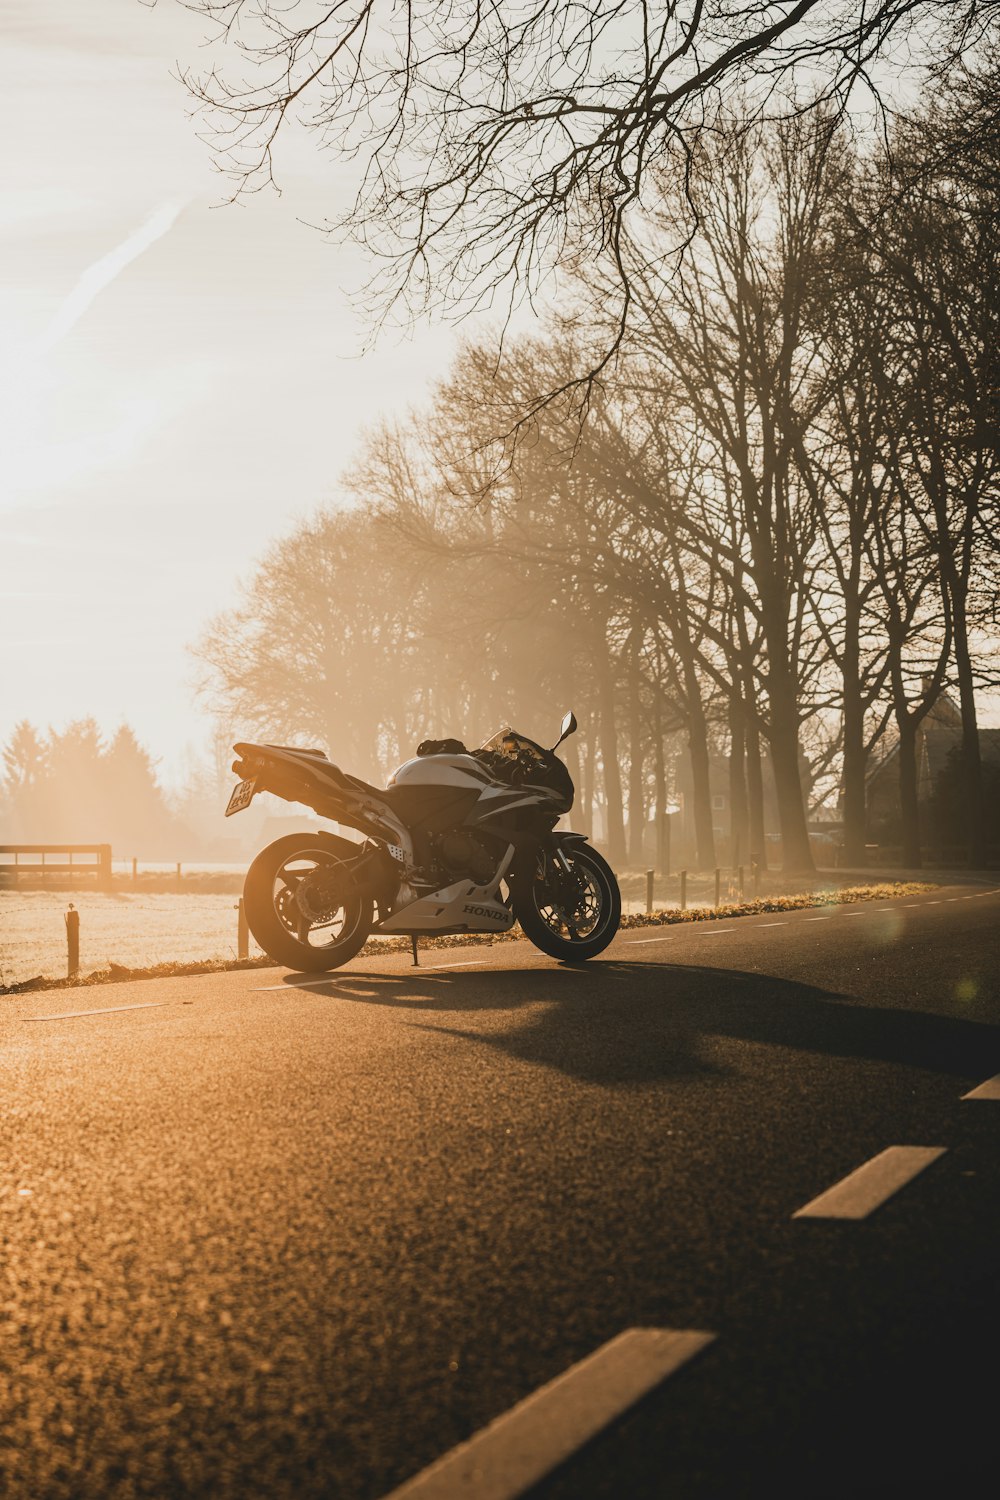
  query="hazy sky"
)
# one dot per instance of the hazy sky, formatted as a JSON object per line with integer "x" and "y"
{"x": 178, "y": 381}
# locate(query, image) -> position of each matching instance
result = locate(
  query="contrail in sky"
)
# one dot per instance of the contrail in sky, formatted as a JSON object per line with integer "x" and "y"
{"x": 103, "y": 272}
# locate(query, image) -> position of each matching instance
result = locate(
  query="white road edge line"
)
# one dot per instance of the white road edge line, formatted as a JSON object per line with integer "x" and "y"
{"x": 870, "y": 1185}
{"x": 988, "y": 1090}
{"x": 106, "y": 1010}
{"x": 521, "y": 1447}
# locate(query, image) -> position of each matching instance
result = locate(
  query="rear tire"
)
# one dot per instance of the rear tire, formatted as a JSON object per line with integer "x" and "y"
{"x": 285, "y": 932}
{"x": 549, "y": 903}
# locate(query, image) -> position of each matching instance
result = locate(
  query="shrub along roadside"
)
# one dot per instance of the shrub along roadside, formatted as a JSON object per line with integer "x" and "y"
{"x": 849, "y": 895}
{"x": 838, "y": 896}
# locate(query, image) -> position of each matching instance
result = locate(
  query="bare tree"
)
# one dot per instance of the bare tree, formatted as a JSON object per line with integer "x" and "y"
{"x": 927, "y": 223}
{"x": 491, "y": 143}
{"x": 731, "y": 330}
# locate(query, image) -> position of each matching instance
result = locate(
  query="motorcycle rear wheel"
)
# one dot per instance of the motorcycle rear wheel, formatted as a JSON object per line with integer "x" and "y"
{"x": 572, "y": 915}
{"x": 308, "y": 941}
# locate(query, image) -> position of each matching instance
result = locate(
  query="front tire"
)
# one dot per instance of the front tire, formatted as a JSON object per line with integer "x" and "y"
{"x": 292, "y": 919}
{"x": 568, "y": 902}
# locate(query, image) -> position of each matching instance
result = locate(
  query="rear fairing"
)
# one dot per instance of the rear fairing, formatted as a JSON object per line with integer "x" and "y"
{"x": 307, "y": 776}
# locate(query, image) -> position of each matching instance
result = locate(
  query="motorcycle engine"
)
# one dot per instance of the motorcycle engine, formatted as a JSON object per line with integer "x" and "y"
{"x": 463, "y": 855}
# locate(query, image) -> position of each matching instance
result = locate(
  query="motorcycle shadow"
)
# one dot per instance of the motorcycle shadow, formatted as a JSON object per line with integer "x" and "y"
{"x": 614, "y": 1022}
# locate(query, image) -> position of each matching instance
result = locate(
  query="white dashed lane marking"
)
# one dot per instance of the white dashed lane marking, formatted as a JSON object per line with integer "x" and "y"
{"x": 467, "y": 963}
{"x": 817, "y": 919}
{"x": 522, "y": 1446}
{"x": 106, "y": 1010}
{"x": 870, "y": 1185}
{"x": 988, "y": 1090}
{"x": 719, "y": 931}
{"x": 305, "y": 984}
{"x": 645, "y": 942}
{"x": 772, "y": 924}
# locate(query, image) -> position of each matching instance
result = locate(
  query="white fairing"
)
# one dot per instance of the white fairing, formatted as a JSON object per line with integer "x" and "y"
{"x": 463, "y": 906}
{"x": 441, "y": 770}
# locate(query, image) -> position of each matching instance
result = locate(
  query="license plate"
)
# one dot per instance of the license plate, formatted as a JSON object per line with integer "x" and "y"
{"x": 242, "y": 796}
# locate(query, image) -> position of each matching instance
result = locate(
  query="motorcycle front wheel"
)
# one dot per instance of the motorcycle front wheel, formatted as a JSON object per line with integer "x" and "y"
{"x": 302, "y": 911}
{"x": 568, "y": 902}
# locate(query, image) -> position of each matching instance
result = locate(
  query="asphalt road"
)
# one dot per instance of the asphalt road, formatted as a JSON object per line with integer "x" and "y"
{"x": 264, "y": 1238}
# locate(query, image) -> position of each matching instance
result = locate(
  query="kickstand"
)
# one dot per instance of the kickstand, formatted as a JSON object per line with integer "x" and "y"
{"x": 413, "y": 940}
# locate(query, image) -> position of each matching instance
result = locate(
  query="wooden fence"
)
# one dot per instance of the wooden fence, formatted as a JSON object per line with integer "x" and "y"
{"x": 64, "y": 862}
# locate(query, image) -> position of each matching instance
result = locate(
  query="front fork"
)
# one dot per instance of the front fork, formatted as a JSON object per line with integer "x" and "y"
{"x": 563, "y": 892}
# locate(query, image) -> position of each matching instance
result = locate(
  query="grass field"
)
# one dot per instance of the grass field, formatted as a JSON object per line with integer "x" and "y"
{"x": 134, "y": 930}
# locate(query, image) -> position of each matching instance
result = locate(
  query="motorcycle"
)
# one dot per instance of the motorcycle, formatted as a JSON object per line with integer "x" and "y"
{"x": 458, "y": 841}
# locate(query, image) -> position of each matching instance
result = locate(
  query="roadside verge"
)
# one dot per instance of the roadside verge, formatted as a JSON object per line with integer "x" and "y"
{"x": 665, "y": 916}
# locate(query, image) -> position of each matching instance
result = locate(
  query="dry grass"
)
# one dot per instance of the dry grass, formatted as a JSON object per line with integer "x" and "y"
{"x": 840, "y": 896}
{"x": 118, "y": 973}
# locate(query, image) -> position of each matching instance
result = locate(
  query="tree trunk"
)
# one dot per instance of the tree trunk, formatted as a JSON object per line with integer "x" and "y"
{"x": 636, "y": 810}
{"x": 855, "y": 812}
{"x": 660, "y": 774}
{"x": 908, "y": 802}
{"x": 738, "y": 821}
{"x": 589, "y": 758}
{"x": 570, "y": 751}
{"x": 701, "y": 789}
{"x": 615, "y": 830}
{"x": 755, "y": 797}
{"x": 972, "y": 766}
{"x": 796, "y": 850}
{"x": 855, "y": 756}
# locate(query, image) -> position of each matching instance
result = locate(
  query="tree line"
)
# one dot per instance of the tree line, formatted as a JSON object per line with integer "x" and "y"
{"x": 768, "y": 532}
{"x": 78, "y": 785}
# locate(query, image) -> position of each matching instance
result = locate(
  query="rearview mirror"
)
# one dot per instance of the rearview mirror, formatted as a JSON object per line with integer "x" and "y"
{"x": 568, "y": 728}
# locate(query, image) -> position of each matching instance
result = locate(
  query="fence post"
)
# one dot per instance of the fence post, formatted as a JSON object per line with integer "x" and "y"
{"x": 649, "y": 890}
{"x": 684, "y": 890}
{"x": 756, "y": 879}
{"x": 179, "y": 887}
{"x": 742, "y": 885}
{"x": 135, "y": 868}
{"x": 104, "y": 866}
{"x": 242, "y": 932}
{"x": 72, "y": 920}
{"x": 718, "y": 884}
